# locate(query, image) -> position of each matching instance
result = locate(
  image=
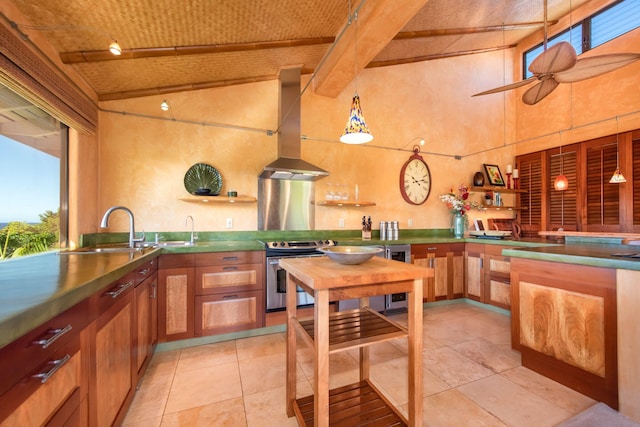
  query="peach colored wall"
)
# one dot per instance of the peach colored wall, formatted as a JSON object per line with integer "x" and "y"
{"x": 582, "y": 110}
{"x": 143, "y": 160}
{"x": 83, "y": 185}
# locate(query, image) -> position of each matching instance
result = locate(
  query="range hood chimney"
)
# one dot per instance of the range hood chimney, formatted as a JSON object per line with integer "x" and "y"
{"x": 289, "y": 165}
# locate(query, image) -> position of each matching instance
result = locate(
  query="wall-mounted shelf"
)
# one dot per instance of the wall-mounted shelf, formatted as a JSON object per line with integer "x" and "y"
{"x": 503, "y": 208}
{"x": 344, "y": 203}
{"x": 217, "y": 199}
{"x": 498, "y": 189}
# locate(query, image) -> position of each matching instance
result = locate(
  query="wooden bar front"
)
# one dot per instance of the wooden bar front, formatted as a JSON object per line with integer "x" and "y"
{"x": 329, "y": 281}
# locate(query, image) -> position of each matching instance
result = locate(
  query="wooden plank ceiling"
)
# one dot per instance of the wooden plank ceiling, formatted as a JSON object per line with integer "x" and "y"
{"x": 171, "y": 46}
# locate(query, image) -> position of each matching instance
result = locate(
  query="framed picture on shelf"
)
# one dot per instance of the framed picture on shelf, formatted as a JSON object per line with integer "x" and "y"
{"x": 494, "y": 175}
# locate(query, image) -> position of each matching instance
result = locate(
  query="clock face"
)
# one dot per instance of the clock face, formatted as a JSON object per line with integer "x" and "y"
{"x": 415, "y": 180}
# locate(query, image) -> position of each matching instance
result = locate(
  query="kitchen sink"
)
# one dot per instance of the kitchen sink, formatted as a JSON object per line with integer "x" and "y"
{"x": 174, "y": 243}
{"x": 107, "y": 249}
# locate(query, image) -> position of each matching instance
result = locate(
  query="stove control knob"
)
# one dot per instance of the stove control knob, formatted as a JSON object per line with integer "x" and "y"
{"x": 274, "y": 244}
{"x": 283, "y": 244}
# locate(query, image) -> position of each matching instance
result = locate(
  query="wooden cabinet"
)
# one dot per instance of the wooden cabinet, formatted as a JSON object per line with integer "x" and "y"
{"x": 146, "y": 316}
{"x": 497, "y": 277}
{"x": 474, "y": 271}
{"x": 176, "y": 286}
{"x": 45, "y": 373}
{"x": 487, "y": 274}
{"x": 564, "y": 324}
{"x": 112, "y": 363}
{"x": 229, "y": 292}
{"x": 447, "y": 260}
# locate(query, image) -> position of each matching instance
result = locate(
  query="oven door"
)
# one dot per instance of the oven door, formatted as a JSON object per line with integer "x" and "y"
{"x": 277, "y": 287}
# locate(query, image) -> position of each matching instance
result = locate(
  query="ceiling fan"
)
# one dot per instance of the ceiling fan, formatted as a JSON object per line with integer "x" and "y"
{"x": 559, "y": 64}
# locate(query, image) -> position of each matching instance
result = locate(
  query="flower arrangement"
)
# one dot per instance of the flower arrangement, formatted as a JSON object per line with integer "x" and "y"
{"x": 459, "y": 203}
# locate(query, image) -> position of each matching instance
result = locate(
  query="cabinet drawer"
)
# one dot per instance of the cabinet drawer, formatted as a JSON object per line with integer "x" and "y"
{"x": 45, "y": 388}
{"x": 144, "y": 271}
{"x": 19, "y": 358}
{"x": 110, "y": 295}
{"x": 176, "y": 260}
{"x": 440, "y": 249}
{"x": 226, "y": 258}
{"x": 228, "y": 278}
{"x": 223, "y": 313}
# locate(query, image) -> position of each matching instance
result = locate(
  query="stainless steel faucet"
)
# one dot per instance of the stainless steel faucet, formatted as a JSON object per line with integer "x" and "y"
{"x": 132, "y": 232}
{"x": 192, "y": 240}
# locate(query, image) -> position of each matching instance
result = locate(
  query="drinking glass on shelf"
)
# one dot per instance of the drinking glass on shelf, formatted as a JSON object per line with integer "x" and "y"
{"x": 344, "y": 192}
{"x": 329, "y": 195}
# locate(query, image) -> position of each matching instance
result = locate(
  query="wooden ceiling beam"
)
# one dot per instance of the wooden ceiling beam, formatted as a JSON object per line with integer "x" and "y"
{"x": 157, "y": 52}
{"x": 375, "y": 64}
{"x": 378, "y": 22}
{"x": 471, "y": 30}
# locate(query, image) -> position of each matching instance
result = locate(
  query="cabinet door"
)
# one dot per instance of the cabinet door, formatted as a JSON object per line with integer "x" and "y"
{"x": 447, "y": 261}
{"x": 145, "y": 320}
{"x": 474, "y": 262}
{"x": 222, "y": 313}
{"x": 113, "y": 367}
{"x": 175, "y": 303}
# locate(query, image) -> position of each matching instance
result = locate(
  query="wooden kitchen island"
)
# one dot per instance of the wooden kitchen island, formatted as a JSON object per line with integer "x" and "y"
{"x": 327, "y": 281}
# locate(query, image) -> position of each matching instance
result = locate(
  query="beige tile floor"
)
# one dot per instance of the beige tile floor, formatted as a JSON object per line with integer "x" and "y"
{"x": 471, "y": 378}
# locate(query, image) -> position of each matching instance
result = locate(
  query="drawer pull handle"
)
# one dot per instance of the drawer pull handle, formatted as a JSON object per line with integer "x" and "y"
{"x": 121, "y": 289}
{"x": 57, "y": 333}
{"x": 230, "y": 258}
{"x": 432, "y": 248}
{"x": 230, "y": 297}
{"x": 144, "y": 272}
{"x": 57, "y": 364}
{"x": 229, "y": 268}
{"x": 154, "y": 294}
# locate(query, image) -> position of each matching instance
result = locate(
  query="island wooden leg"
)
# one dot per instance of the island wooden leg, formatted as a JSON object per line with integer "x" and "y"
{"x": 415, "y": 354}
{"x": 321, "y": 369}
{"x": 291, "y": 345}
{"x": 364, "y": 351}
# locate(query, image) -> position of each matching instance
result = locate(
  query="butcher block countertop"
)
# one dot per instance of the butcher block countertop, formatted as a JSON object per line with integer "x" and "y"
{"x": 324, "y": 273}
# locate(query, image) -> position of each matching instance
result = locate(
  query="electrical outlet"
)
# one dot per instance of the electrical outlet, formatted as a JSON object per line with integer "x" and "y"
{"x": 229, "y": 222}
{"x": 410, "y": 222}
{"x": 341, "y": 223}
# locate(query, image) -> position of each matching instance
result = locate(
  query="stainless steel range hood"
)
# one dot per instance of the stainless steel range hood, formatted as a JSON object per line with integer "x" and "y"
{"x": 289, "y": 165}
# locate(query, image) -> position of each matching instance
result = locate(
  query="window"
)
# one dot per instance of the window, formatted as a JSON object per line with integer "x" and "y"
{"x": 607, "y": 24}
{"x": 33, "y": 189}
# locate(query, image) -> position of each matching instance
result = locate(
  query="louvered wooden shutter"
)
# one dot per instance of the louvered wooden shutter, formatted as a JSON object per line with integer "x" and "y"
{"x": 603, "y": 198}
{"x": 563, "y": 204}
{"x": 635, "y": 178}
{"x": 530, "y": 170}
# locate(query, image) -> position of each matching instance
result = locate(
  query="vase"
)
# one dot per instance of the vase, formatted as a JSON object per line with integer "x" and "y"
{"x": 478, "y": 179}
{"x": 458, "y": 225}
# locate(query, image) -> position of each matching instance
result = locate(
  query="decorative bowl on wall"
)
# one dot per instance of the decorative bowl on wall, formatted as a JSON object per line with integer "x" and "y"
{"x": 203, "y": 180}
{"x": 351, "y": 255}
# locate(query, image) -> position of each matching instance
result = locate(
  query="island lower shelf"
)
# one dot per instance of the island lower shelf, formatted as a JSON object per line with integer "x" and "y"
{"x": 352, "y": 405}
{"x": 360, "y": 402}
{"x": 355, "y": 328}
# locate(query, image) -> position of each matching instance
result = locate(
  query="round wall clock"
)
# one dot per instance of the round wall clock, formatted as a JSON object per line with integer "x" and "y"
{"x": 415, "y": 179}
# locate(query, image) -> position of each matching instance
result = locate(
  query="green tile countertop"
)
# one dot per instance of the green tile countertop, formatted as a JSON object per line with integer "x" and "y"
{"x": 37, "y": 288}
{"x": 595, "y": 255}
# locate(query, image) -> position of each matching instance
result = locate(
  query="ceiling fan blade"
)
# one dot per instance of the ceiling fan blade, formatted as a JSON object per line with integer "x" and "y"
{"x": 507, "y": 87}
{"x": 559, "y": 57}
{"x": 539, "y": 91}
{"x": 586, "y": 68}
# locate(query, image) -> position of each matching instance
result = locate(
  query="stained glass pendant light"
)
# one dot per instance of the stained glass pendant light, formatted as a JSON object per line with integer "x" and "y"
{"x": 356, "y": 131}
